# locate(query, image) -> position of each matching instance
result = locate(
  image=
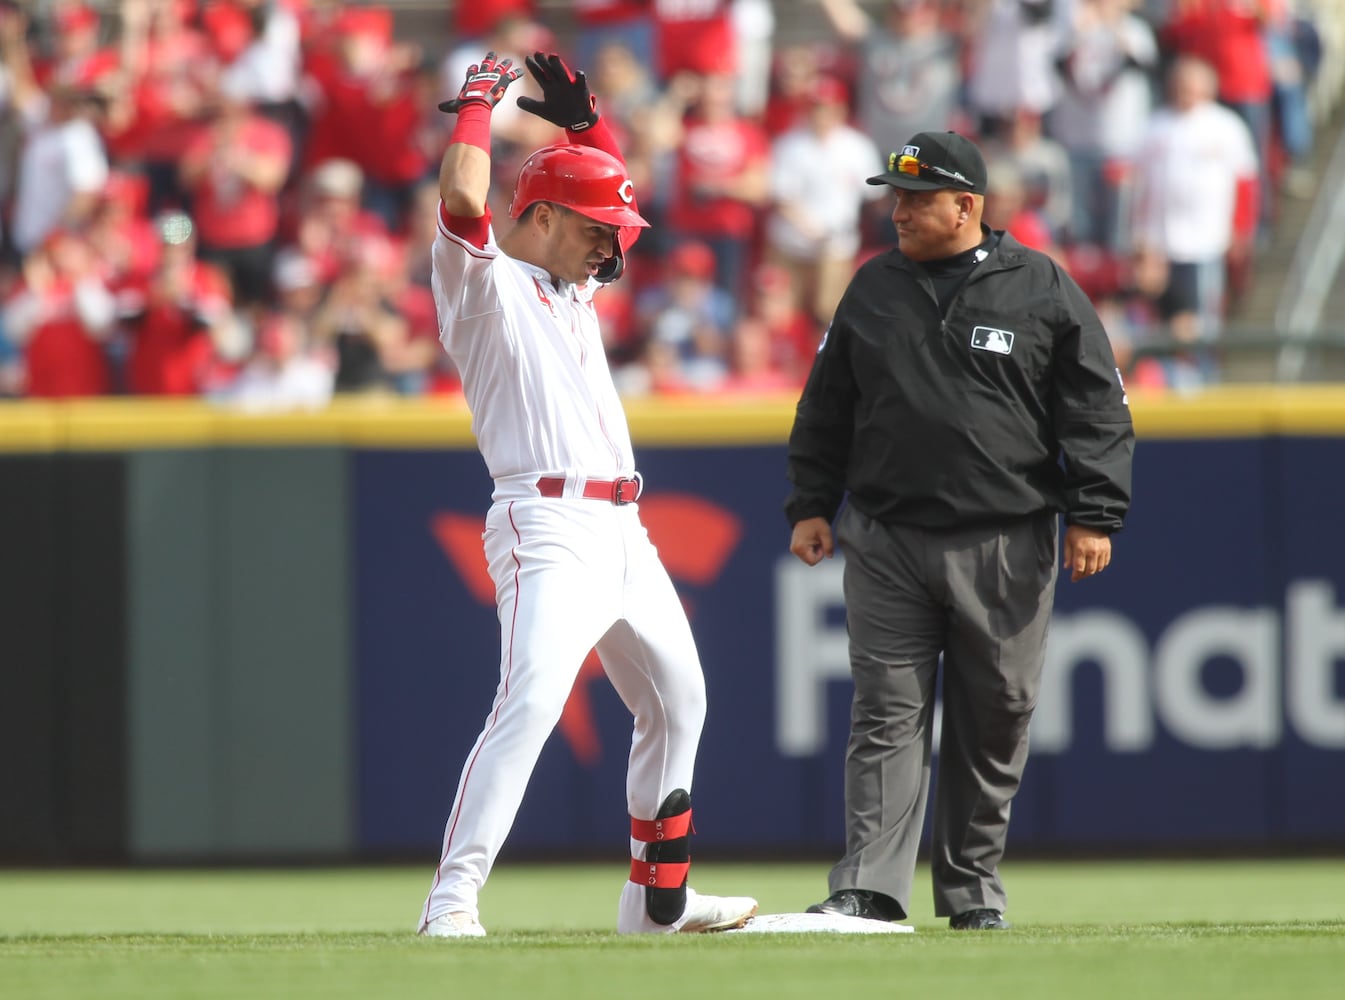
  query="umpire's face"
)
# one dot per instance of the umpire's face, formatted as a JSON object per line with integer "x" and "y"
{"x": 932, "y": 225}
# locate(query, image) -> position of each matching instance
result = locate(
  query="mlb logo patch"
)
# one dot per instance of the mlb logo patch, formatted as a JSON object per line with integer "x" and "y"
{"x": 987, "y": 338}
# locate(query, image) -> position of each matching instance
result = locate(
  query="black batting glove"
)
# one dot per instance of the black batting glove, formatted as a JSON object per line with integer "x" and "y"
{"x": 486, "y": 84}
{"x": 565, "y": 98}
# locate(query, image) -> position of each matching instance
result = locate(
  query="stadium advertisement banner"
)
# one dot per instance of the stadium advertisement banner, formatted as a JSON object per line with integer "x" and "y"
{"x": 1194, "y": 694}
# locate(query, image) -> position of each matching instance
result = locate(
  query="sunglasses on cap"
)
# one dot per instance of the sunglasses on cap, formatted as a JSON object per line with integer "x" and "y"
{"x": 903, "y": 163}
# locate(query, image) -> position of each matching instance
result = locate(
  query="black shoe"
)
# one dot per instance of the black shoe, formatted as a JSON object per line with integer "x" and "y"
{"x": 979, "y": 920}
{"x": 859, "y": 903}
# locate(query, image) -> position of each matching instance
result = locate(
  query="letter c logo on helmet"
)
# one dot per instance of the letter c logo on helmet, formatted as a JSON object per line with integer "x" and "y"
{"x": 587, "y": 180}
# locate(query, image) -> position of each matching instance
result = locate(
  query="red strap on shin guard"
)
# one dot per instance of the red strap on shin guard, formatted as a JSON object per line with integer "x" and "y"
{"x": 665, "y": 875}
{"x": 653, "y": 831}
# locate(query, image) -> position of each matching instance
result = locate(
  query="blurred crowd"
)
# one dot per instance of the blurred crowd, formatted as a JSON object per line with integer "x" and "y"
{"x": 236, "y": 198}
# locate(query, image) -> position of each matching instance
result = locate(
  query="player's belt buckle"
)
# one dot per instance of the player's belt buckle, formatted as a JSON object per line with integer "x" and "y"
{"x": 625, "y": 491}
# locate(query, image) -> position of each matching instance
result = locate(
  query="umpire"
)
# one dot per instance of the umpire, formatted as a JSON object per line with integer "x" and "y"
{"x": 964, "y": 397}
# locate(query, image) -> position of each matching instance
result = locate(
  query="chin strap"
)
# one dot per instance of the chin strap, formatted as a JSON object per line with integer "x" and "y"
{"x": 613, "y": 267}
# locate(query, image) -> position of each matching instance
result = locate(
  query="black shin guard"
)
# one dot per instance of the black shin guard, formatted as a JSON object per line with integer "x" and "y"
{"x": 666, "y": 905}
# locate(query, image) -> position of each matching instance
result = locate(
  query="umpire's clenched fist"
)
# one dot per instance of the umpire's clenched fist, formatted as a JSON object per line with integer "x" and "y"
{"x": 811, "y": 540}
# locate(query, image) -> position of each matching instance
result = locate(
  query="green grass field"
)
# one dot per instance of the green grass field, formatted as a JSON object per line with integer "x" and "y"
{"x": 1139, "y": 931}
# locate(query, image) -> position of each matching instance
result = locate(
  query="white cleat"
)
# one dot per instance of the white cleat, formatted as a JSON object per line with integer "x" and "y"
{"x": 454, "y": 925}
{"x": 701, "y": 913}
{"x": 715, "y": 913}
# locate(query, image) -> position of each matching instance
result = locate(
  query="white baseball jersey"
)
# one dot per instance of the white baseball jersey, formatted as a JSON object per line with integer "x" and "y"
{"x": 571, "y": 573}
{"x": 59, "y": 161}
{"x": 822, "y": 178}
{"x": 1186, "y": 179}
{"x": 533, "y": 365}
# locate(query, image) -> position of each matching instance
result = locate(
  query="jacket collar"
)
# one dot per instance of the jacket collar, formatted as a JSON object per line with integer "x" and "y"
{"x": 1007, "y": 252}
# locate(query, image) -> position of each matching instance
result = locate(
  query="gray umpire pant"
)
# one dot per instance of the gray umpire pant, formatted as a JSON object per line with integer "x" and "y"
{"x": 982, "y": 598}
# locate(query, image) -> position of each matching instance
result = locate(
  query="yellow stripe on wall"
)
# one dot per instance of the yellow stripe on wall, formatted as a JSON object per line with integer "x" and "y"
{"x": 124, "y": 424}
{"x": 1242, "y": 411}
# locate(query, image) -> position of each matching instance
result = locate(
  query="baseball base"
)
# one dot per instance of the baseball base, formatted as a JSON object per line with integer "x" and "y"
{"x": 817, "y": 923}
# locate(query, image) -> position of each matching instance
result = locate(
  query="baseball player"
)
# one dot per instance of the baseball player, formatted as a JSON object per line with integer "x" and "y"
{"x": 572, "y": 565}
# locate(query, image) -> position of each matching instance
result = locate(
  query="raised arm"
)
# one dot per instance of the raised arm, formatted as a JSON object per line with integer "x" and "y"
{"x": 464, "y": 173}
{"x": 848, "y": 19}
{"x": 567, "y": 103}
{"x": 14, "y": 50}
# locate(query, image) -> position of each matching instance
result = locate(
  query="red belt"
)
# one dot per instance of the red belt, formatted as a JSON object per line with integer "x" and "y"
{"x": 617, "y": 491}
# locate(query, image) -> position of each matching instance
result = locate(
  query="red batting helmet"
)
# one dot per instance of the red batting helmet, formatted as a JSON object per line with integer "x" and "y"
{"x": 582, "y": 178}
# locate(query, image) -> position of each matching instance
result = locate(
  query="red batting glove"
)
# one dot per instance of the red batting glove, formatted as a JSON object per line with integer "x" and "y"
{"x": 485, "y": 85}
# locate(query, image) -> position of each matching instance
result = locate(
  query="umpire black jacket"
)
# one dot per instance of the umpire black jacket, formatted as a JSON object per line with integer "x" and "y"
{"x": 1007, "y": 405}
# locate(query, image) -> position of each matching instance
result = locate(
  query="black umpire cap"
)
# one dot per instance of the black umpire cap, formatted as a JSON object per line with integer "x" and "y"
{"x": 934, "y": 160}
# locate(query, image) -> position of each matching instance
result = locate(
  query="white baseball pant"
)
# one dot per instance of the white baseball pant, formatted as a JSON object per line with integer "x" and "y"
{"x": 572, "y": 574}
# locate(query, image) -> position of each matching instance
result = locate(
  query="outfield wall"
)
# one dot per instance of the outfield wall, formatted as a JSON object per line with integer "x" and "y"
{"x": 227, "y": 637}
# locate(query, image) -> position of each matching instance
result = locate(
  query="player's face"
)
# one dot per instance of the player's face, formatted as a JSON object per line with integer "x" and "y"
{"x": 930, "y": 224}
{"x": 578, "y": 245}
